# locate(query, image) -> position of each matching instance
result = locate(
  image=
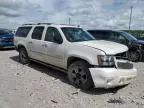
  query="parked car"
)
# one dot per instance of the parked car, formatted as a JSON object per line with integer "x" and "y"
{"x": 71, "y": 49}
{"x": 6, "y": 39}
{"x": 136, "y": 47}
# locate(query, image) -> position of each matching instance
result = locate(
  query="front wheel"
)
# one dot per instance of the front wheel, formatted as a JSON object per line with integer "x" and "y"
{"x": 79, "y": 75}
{"x": 134, "y": 56}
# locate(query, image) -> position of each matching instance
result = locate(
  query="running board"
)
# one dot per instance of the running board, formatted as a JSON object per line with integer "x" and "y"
{"x": 49, "y": 65}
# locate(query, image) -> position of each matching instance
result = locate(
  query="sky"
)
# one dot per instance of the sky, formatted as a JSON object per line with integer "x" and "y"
{"x": 89, "y": 14}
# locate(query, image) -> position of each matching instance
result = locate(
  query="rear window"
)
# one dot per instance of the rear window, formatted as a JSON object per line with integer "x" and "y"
{"x": 23, "y": 31}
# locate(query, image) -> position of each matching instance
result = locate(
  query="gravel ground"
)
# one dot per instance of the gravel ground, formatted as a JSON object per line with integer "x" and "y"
{"x": 37, "y": 86}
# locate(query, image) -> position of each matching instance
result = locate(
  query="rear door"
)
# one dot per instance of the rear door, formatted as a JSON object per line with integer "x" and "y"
{"x": 35, "y": 43}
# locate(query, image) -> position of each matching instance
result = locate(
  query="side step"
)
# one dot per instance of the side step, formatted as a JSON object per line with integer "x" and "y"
{"x": 49, "y": 65}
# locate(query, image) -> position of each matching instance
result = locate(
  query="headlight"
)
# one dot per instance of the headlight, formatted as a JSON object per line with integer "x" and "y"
{"x": 106, "y": 60}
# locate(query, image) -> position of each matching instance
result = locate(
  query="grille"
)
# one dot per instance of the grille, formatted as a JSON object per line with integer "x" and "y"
{"x": 125, "y": 65}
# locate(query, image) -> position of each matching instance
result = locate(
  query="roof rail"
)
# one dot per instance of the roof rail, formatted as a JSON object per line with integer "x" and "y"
{"x": 44, "y": 23}
{"x": 29, "y": 24}
{"x": 50, "y": 24}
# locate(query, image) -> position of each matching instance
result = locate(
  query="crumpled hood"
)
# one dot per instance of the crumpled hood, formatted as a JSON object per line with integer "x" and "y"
{"x": 110, "y": 48}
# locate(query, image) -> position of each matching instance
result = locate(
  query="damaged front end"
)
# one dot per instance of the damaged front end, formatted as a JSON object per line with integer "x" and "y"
{"x": 113, "y": 71}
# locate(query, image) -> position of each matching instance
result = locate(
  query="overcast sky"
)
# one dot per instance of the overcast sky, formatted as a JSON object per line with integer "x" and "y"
{"x": 94, "y": 14}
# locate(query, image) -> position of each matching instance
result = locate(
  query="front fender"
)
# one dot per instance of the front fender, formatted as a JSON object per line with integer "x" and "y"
{"x": 89, "y": 56}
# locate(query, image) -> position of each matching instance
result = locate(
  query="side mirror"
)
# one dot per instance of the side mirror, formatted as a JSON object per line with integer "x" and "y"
{"x": 57, "y": 39}
{"x": 130, "y": 42}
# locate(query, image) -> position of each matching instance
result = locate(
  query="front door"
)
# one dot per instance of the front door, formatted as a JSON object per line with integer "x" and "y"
{"x": 53, "y": 52}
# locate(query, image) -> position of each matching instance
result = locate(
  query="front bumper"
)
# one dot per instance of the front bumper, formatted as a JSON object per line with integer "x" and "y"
{"x": 112, "y": 77}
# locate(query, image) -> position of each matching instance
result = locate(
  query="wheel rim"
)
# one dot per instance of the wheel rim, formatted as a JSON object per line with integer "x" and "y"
{"x": 79, "y": 76}
{"x": 134, "y": 56}
{"x": 23, "y": 56}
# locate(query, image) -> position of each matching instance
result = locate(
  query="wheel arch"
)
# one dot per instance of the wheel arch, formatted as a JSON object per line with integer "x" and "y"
{"x": 20, "y": 46}
{"x": 72, "y": 59}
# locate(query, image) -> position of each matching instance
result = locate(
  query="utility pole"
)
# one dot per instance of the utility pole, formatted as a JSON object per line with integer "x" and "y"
{"x": 69, "y": 20}
{"x": 130, "y": 17}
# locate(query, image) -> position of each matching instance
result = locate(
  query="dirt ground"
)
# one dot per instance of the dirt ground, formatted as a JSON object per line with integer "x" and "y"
{"x": 37, "y": 86}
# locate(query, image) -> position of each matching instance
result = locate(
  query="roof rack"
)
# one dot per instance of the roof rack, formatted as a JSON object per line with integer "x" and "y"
{"x": 50, "y": 24}
{"x": 44, "y": 23}
{"x": 29, "y": 24}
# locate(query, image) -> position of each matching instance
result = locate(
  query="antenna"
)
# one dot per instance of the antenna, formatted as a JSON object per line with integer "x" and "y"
{"x": 130, "y": 17}
{"x": 69, "y": 20}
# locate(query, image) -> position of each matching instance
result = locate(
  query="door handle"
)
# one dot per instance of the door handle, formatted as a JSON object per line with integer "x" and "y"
{"x": 44, "y": 45}
{"x": 30, "y": 42}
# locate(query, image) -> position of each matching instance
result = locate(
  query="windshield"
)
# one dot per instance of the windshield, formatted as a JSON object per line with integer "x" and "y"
{"x": 76, "y": 34}
{"x": 129, "y": 36}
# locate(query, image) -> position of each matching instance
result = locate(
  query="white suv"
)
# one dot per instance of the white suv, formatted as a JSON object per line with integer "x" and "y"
{"x": 70, "y": 49}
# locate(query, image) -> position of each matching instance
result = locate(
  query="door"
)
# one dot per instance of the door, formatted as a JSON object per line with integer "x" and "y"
{"x": 36, "y": 43}
{"x": 53, "y": 51}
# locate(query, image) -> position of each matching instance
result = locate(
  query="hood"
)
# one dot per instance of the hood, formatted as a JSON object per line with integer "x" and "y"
{"x": 110, "y": 48}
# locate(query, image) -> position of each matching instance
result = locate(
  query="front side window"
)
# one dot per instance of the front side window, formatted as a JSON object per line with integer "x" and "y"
{"x": 76, "y": 34}
{"x": 37, "y": 33}
{"x": 23, "y": 31}
{"x": 51, "y": 34}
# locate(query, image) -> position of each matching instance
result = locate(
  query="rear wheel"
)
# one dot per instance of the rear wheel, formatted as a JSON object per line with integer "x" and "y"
{"x": 79, "y": 75}
{"x": 23, "y": 56}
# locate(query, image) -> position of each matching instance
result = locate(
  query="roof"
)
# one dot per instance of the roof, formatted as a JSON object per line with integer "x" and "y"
{"x": 104, "y": 30}
{"x": 52, "y": 24}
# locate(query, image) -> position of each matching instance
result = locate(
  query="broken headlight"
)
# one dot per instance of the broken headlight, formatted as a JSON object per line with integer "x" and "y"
{"x": 106, "y": 60}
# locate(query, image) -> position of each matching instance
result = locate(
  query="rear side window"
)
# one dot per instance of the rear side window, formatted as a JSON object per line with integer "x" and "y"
{"x": 37, "y": 33}
{"x": 23, "y": 31}
{"x": 100, "y": 34}
{"x": 104, "y": 35}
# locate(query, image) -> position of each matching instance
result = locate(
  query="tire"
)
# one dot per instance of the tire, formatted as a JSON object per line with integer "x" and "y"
{"x": 134, "y": 56}
{"x": 23, "y": 56}
{"x": 79, "y": 75}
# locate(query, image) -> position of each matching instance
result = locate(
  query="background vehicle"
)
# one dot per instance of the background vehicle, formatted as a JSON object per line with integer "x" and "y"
{"x": 136, "y": 47}
{"x": 71, "y": 49}
{"x": 6, "y": 39}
